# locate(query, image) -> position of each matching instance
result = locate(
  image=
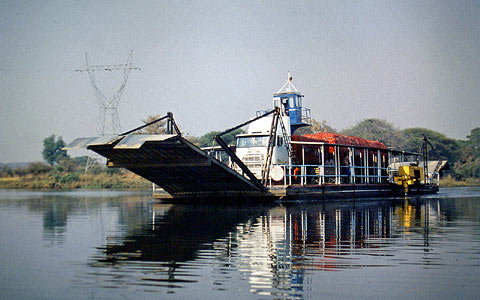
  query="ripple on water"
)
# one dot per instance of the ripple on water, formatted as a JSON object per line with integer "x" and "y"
{"x": 296, "y": 250}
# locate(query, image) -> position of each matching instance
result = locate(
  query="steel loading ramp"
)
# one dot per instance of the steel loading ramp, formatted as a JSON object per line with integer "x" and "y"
{"x": 173, "y": 163}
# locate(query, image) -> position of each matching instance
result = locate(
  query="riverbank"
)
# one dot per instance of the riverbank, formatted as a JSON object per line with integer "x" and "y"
{"x": 75, "y": 181}
{"x": 125, "y": 181}
{"x": 449, "y": 181}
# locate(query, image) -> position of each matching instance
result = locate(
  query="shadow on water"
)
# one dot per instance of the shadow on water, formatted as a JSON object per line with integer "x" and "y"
{"x": 171, "y": 239}
{"x": 269, "y": 247}
{"x": 55, "y": 208}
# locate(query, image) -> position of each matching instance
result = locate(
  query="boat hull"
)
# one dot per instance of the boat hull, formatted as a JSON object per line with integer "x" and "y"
{"x": 308, "y": 192}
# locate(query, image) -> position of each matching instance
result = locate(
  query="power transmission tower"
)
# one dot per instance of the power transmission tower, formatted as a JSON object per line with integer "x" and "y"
{"x": 108, "y": 120}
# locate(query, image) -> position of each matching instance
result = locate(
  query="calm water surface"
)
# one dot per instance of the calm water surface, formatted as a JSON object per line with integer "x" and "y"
{"x": 124, "y": 245}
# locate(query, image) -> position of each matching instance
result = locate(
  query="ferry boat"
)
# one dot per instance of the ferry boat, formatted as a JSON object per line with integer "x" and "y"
{"x": 269, "y": 160}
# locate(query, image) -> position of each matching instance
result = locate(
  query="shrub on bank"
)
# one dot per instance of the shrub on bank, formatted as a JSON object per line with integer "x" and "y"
{"x": 124, "y": 180}
{"x": 37, "y": 168}
{"x": 450, "y": 181}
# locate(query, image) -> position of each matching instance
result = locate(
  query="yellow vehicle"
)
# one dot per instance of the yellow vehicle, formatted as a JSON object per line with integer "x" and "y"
{"x": 409, "y": 175}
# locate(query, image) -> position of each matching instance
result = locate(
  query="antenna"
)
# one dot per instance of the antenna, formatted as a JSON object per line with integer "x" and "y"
{"x": 108, "y": 120}
{"x": 288, "y": 86}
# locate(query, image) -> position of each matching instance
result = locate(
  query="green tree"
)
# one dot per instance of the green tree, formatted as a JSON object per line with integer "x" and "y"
{"x": 52, "y": 150}
{"x": 376, "y": 129}
{"x": 156, "y": 128}
{"x": 474, "y": 140}
{"x": 468, "y": 163}
{"x": 444, "y": 147}
{"x": 5, "y": 171}
{"x": 193, "y": 139}
{"x": 206, "y": 140}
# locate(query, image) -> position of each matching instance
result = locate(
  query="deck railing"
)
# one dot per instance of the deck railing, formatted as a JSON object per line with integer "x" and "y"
{"x": 331, "y": 174}
{"x": 327, "y": 174}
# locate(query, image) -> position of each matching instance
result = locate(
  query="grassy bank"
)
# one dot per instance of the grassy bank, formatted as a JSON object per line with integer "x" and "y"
{"x": 75, "y": 181}
{"x": 124, "y": 180}
{"x": 451, "y": 182}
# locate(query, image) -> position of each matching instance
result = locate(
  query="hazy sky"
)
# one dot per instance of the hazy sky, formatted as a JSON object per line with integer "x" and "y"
{"x": 214, "y": 63}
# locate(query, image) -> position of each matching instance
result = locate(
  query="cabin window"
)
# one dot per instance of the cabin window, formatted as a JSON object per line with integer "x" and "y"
{"x": 252, "y": 141}
{"x": 292, "y": 104}
{"x": 276, "y": 103}
{"x": 285, "y": 102}
{"x": 298, "y": 101}
{"x": 280, "y": 141}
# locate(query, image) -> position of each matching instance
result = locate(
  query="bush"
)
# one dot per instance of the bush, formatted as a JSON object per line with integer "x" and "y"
{"x": 37, "y": 168}
{"x": 67, "y": 164}
{"x": 111, "y": 171}
{"x": 68, "y": 178}
{"x": 6, "y": 171}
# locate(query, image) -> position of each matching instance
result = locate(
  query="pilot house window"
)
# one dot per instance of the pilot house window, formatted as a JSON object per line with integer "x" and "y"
{"x": 275, "y": 103}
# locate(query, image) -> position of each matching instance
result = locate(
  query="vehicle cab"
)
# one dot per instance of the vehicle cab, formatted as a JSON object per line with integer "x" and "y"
{"x": 252, "y": 146}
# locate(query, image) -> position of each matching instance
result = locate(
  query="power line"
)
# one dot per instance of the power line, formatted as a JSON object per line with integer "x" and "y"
{"x": 108, "y": 120}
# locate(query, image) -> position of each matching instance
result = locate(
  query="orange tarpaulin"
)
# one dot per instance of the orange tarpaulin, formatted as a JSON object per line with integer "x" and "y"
{"x": 335, "y": 138}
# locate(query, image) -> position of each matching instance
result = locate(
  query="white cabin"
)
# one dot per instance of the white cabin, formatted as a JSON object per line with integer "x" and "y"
{"x": 252, "y": 146}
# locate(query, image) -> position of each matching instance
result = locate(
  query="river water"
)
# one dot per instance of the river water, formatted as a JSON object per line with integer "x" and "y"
{"x": 124, "y": 245}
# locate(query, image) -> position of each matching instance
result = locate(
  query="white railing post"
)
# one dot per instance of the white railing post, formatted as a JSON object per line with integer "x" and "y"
{"x": 302, "y": 178}
{"x": 379, "y": 166}
{"x": 365, "y": 165}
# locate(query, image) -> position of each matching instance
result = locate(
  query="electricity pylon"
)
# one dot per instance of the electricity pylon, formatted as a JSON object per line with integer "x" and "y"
{"x": 108, "y": 120}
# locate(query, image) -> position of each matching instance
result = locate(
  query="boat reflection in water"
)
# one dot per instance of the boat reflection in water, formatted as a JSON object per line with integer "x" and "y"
{"x": 269, "y": 248}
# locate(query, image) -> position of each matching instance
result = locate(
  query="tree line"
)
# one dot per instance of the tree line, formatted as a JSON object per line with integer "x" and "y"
{"x": 463, "y": 155}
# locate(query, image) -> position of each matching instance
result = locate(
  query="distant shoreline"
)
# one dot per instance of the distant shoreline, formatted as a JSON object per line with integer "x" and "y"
{"x": 451, "y": 182}
{"x": 126, "y": 181}
{"x": 75, "y": 181}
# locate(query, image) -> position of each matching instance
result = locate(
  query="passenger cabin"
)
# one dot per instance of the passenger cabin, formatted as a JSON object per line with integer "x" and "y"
{"x": 328, "y": 159}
